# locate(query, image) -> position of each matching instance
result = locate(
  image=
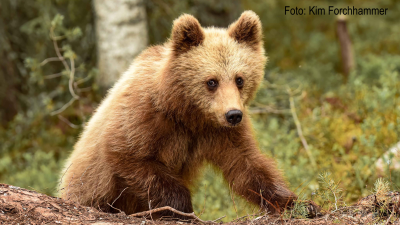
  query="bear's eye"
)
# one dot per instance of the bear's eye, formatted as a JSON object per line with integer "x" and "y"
{"x": 239, "y": 82}
{"x": 212, "y": 84}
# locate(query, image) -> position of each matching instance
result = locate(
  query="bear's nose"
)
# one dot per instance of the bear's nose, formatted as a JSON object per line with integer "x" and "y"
{"x": 234, "y": 116}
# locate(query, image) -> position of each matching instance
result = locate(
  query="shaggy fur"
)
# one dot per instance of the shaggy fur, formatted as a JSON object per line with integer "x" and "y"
{"x": 161, "y": 122}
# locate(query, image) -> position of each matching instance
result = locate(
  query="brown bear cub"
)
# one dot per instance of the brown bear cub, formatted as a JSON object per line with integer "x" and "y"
{"x": 179, "y": 105}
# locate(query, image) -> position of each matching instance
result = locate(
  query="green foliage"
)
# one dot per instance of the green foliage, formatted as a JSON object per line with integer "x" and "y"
{"x": 32, "y": 150}
{"x": 382, "y": 200}
{"x": 347, "y": 123}
{"x": 381, "y": 188}
{"x": 34, "y": 144}
{"x": 299, "y": 210}
{"x": 212, "y": 194}
{"x": 162, "y": 13}
{"x": 329, "y": 192}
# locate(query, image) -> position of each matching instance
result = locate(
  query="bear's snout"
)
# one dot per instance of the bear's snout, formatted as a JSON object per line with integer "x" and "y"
{"x": 234, "y": 116}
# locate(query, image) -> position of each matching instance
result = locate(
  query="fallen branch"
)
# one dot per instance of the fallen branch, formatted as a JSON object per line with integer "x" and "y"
{"x": 191, "y": 215}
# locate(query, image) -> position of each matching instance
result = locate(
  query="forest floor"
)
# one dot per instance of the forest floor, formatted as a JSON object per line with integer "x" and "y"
{"x": 22, "y": 206}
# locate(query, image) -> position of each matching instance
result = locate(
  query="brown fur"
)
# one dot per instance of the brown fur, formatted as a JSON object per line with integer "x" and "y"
{"x": 160, "y": 122}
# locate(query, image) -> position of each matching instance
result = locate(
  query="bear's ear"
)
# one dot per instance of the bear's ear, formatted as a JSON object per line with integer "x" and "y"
{"x": 247, "y": 29}
{"x": 186, "y": 33}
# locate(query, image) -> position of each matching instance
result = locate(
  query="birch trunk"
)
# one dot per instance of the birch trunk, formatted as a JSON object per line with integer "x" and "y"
{"x": 121, "y": 30}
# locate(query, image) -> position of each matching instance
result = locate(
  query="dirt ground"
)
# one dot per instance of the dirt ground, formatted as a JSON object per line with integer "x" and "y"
{"x": 22, "y": 206}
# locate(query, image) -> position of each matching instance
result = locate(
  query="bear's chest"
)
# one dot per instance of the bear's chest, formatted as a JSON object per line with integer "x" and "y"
{"x": 175, "y": 150}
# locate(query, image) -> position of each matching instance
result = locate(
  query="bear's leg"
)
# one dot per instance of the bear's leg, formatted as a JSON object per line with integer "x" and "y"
{"x": 249, "y": 173}
{"x": 252, "y": 175}
{"x": 156, "y": 186}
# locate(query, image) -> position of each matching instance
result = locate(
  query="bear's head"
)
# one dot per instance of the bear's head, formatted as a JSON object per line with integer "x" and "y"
{"x": 213, "y": 73}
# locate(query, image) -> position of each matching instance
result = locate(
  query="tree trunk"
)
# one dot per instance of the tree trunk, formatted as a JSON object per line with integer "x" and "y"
{"x": 9, "y": 77}
{"x": 121, "y": 30}
{"x": 345, "y": 46}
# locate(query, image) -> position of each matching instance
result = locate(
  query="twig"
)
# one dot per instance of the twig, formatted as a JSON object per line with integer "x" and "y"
{"x": 261, "y": 199}
{"x": 280, "y": 214}
{"x": 51, "y": 76}
{"x": 63, "y": 176}
{"x": 65, "y": 120}
{"x": 62, "y": 59}
{"x": 191, "y": 215}
{"x": 218, "y": 219}
{"x": 238, "y": 219}
{"x": 80, "y": 178}
{"x": 81, "y": 113}
{"x": 264, "y": 199}
{"x": 64, "y": 107}
{"x": 95, "y": 190}
{"x": 57, "y": 49}
{"x": 204, "y": 206}
{"x": 266, "y": 109}
{"x": 390, "y": 217}
{"x": 71, "y": 71}
{"x": 299, "y": 130}
{"x": 52, "y": 59}
{"x": 334, "y": 195}
{"x": 83, "y": 80}
{"x": 148, "y": 198}
{"x": 119, "y": 196}
{"x": 114, "y": 207}
{"x": 71, "y": 79}
{"x": 84, "y": 89}
{"x": 233, "y": 200}
{"x": 68, "y": 194}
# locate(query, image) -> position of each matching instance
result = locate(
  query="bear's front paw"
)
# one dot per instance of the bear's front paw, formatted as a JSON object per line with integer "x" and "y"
{"x": 313, "y": 209}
